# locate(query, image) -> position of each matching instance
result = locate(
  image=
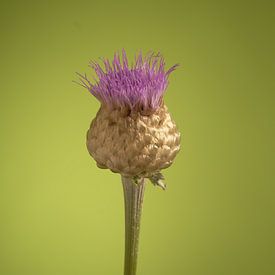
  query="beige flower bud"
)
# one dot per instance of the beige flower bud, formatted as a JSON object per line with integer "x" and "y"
{"x": 132, "y": 143}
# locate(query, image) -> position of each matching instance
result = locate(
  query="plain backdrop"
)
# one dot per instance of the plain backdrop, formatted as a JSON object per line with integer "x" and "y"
{"x": 61, "y": 215}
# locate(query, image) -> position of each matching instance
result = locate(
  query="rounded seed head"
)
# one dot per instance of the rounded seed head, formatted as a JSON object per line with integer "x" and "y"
{"x": 132, "y": 143}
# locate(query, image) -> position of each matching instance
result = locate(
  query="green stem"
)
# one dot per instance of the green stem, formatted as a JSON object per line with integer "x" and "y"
{"x": 133, "y": 198}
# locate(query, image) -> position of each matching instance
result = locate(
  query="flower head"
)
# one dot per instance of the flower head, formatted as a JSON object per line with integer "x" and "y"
{"x": 140, "y": 86}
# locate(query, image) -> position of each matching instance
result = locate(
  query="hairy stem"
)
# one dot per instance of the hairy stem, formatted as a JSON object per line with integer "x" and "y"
{"x": 133, "y": 198}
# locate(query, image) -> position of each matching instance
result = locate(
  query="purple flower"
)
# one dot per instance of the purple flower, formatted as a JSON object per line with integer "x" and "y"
{"x": 139, "y": 86}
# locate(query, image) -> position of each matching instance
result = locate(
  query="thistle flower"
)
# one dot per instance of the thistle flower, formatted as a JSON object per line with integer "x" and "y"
{"x": 133, "y": 133}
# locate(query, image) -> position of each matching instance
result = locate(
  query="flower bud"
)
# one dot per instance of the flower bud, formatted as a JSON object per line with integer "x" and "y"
{"x": 133, "y": 133}
{"x": 131, "y": 143}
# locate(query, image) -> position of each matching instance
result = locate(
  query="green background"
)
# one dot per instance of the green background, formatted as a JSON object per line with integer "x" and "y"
{"x": 61, "y": 215}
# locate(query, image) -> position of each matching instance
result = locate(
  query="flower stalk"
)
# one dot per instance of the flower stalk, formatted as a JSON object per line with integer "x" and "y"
{"x": 133, "y": 199}
{"x": 133, "y": 133}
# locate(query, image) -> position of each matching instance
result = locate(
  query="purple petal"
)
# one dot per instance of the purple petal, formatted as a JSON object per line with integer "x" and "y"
{"x": 142, "y": 84}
